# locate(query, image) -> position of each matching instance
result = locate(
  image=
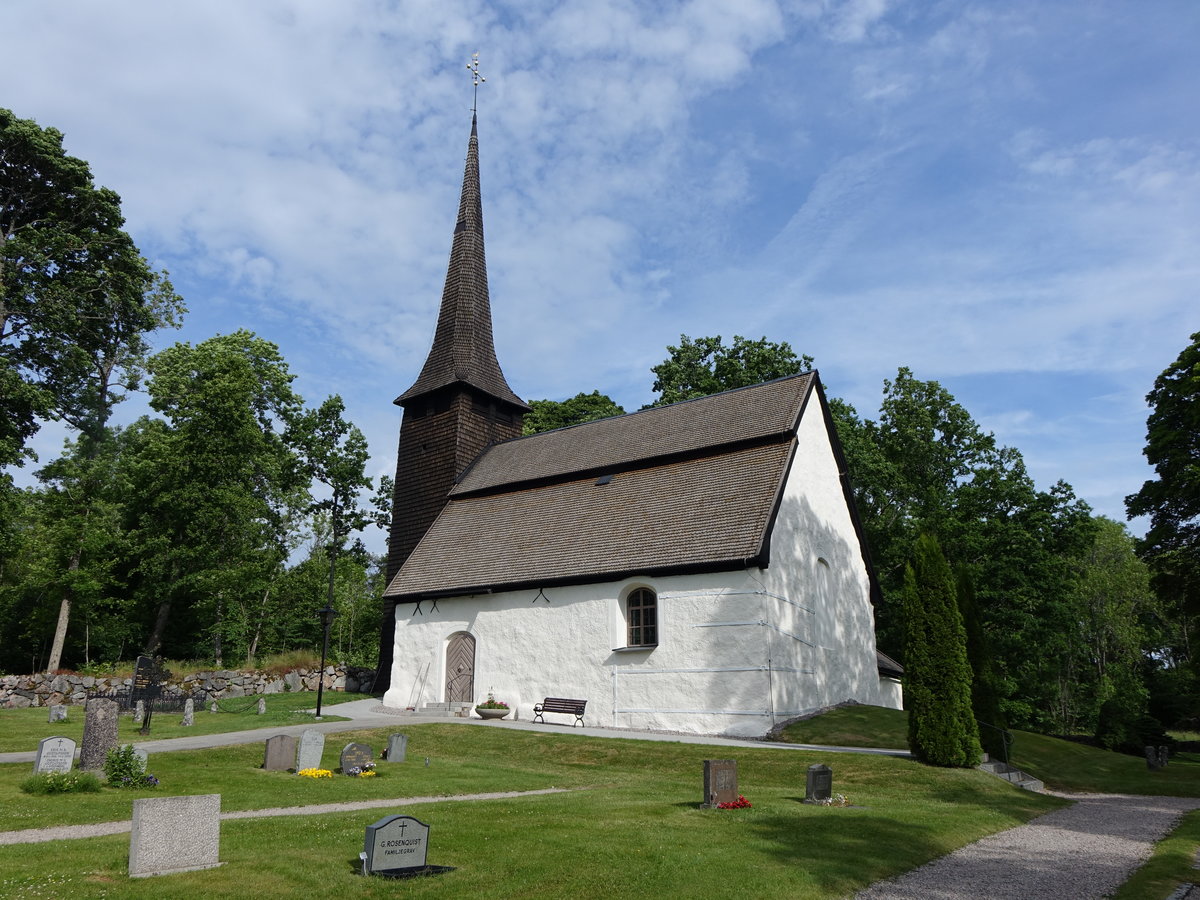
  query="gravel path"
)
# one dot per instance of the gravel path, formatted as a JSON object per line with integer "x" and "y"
{"x": 1080, "y": 852}
{"x": 69, "y": 832}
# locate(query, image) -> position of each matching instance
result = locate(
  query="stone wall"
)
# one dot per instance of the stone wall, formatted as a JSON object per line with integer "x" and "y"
{"x": 18, "y": 691}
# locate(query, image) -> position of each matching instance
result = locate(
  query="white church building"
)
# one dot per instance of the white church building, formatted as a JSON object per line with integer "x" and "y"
{"x": 697, "y": 567}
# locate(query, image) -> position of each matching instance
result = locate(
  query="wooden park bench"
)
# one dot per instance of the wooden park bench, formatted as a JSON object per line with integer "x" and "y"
{"x": 560, "y": 705}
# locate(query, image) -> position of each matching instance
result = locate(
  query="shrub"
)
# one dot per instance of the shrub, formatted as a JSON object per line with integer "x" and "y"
{"x": 61, "y": 783}
{"x": 123, "y": 768}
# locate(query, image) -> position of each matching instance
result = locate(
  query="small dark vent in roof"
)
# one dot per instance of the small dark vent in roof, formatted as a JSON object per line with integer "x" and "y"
{"x": 604, "y": 479}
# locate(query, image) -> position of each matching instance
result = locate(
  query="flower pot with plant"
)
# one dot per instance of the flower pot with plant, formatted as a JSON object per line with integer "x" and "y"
{"x": 491, "y": 708}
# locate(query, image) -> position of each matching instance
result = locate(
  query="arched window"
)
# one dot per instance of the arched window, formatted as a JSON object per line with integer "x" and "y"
{"x": 642, "y": 615}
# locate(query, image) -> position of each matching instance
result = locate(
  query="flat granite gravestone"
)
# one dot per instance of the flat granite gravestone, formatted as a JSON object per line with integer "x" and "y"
{"x": 281, "y": 753}
{"x": 310, "y": 750}
{"x": 355, "y": 756}
{"x": 58, "y": 713}
{"x": 174, "y": 834}
{"x": 54, "y": 754}
{"x": 189, "y": 713}
{"x": 819, "y": 785}
{"x": 720, "y": 781}
{"x": 397, "y": 747}
{"x": 395, "y": 845}
{"x": 99, "y": 733}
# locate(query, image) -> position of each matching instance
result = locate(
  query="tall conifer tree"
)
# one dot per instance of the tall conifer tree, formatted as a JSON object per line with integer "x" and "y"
{"x": 941, "y": 724}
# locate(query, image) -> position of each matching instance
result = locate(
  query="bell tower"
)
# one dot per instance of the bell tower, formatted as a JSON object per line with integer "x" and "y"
{"x": 459, "y": 404}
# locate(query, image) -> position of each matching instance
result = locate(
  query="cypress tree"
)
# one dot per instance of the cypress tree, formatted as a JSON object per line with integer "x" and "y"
{"x": 985, "y": 696}
{"x": 941, "y": 724}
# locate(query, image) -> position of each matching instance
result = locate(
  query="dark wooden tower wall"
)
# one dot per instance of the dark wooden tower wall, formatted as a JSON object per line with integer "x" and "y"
{"x": 440, "y": 435}
{"x": 459, "y": 403}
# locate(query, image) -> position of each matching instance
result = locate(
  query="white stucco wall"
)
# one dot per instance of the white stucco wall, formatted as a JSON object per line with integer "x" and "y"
{"x": 737, "y": 652}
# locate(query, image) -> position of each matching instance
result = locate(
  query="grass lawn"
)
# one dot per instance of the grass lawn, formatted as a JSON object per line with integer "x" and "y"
{"x": 1062, "y": 765}
{"x": 1171, "y": 865}
{"x": 852, "y": 726}
{"x": 633, "y": 827}
{"x": 21, "y": 729}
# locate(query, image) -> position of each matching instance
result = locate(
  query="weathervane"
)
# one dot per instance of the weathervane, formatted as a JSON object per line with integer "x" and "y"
{"x": 476, "y": 78}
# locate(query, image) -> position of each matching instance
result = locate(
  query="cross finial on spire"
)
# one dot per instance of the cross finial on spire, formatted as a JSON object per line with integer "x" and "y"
{"x": 476, "y": 78}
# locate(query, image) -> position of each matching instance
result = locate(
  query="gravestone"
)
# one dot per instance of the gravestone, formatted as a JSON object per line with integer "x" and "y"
{"x": 720, "y": 781}
{"x": 58, "y": 713}
{"x": 395, "y": 845}
{"x": 397, "y": 747}
{"x": 310, "y": 749}
{"x": 820, "y": 784}
{"x": 139, "y": 712}
{"x": 355, "y": 757}
{"x": 281, "y": 753}
{"x": 174, "y": 834}
{"x": 99, "y": 732}
{"x": 212, "y": 707}
{"x": 189, "y": 713}
{"x": 143, "y": 755}
{"x": 54, "y": 754}
{"x": 262, "y": 706}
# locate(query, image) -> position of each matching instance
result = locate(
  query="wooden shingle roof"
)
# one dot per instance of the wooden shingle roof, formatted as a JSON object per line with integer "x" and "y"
{"x": 771, "y": 409}
{"x": 689, "y": 487}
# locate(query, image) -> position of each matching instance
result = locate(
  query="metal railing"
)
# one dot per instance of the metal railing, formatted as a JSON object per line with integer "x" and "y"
{"x": 1006, "y": 737}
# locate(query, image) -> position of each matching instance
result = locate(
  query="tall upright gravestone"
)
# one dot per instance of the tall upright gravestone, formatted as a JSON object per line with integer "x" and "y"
{"x": 99, "y": 733}
{"x": 720, "y": 781}
{"x": 309, "y": 750}
{"x": 397, "y": 747}
{"x": 818, "y": 786}
{"x": 280, "y": 753}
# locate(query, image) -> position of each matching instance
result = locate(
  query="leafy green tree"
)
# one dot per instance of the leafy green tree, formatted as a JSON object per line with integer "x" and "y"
{"x": 76, "y": 302}
{"x": 941, "y": 725}
{"x": 1113, "y": 606}
{"x": 547, "y": 415}
{"x": 697, "y": 368}
{"x": 76, "y": 298}
{"x": 218, "y": 491}
{"x": 1172, "y": 498}
{"x": 335, "y": 453}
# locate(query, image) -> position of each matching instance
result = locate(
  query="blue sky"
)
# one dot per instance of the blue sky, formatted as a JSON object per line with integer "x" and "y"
{"x": 1003, "y": 197}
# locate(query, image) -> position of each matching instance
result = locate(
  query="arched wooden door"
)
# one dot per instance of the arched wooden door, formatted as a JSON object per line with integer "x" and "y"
{"x": 460, "y": 669}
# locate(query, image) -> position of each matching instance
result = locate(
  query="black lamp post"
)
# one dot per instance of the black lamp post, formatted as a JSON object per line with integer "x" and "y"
{"x": 326, "y": 615}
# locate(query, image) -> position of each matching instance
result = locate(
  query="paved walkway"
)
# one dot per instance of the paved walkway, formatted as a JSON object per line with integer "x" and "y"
{"x": 371, "y": 713}
{"x": 69, "y": 832}
{"x": 1086, "y": 850}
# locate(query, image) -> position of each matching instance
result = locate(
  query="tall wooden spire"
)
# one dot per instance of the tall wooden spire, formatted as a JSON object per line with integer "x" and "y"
{"x": 463, "y": 351}
{"x": 459, "y": 403}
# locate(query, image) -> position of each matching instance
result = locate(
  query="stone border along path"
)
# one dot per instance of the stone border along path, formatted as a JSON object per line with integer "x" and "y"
{"x": 1085, "y": 850}
{"x": 70, "y": 832}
